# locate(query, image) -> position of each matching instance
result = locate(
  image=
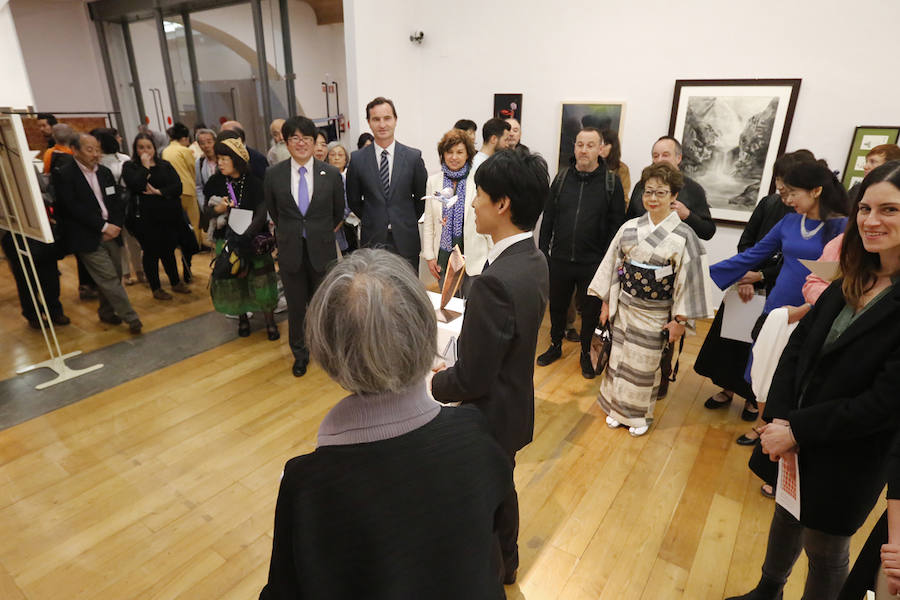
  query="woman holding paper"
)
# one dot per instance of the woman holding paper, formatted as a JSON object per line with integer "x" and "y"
{"x": 156, "y": 215}
{"x": 724, "y": 360}
{"x": 833, "y": 401}
{"x": 235, "y": 188}
{"x": 450, "y": 220}
{"x": 820, "y": 203}
{"x": 653, "y": 284}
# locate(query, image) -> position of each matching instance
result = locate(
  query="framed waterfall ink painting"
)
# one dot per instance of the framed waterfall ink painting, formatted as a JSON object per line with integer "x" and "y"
{"x": 731, "y": 131}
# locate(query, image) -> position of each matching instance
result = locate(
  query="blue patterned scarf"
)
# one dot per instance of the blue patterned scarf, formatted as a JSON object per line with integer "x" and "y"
{"x": 454, "y": 215}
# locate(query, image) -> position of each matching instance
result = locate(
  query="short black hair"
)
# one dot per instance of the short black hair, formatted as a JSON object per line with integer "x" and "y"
{"x": 323, "y": 133}
{"x": 49, "y": 117}
{"x": 786, "y": 162}
{"x": 303, "y": 125}
{"x": 363, "y": 139}
{"x": 494, "y": 127}
{"x": 178, "y": 131}
{"x": 466, "y": 125}
{"x": 108, "y": 142}
{"x": 523, "y": 178}
{"x": 377, "y": 102}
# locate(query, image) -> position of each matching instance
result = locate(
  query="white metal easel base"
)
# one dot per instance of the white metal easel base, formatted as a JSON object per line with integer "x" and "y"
{"x": 63, "y": 371}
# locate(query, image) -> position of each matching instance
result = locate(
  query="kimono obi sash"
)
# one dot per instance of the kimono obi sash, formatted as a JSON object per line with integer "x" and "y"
{"x": 647, "y": 282}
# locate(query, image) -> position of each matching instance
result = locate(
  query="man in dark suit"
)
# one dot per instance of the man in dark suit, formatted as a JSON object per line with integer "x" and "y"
{"x": 90, "y": 214}
{"x": 305, "y": 198}
{"x": 691, "y": 206}
{"x": 495, "y": 369}
{"x": 385, "y": 186}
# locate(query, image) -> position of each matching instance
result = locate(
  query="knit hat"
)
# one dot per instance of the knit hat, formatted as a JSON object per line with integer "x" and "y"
{"x": 238, "y": 148}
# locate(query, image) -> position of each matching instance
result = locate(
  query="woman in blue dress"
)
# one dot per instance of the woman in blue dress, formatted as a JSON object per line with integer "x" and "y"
{"x": 820, "y": 205}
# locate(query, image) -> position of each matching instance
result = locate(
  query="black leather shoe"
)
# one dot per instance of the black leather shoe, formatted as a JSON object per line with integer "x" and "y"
{"x": 746, "y": 441}
{"x": 510, "y": 578}
{"x": 34, "y": 324}
{"x": 572, "y": 335}
{"x": 111, "y": 319}
{"x": 299, "y": 368}
{"x": 243, "y": 326}
{"x": 60, "y": 319}
{"x": 749, "y": 415}
{"x": 712, "y": 404}
{"x": 587, "y": 368}
{"x": 272, "y": 332}
{"x": 135, "y": 326}
{"x": 552, "y": 354}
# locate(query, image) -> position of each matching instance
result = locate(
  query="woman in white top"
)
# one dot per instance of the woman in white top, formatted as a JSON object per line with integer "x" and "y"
{"x": 449, "y": 226}
{"x": 113, "y": 159}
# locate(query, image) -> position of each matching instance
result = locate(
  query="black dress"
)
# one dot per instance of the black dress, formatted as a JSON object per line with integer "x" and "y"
{"x": 723, "y": 360}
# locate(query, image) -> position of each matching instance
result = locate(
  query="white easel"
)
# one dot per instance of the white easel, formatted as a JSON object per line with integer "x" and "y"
{"x": 12, "y": 222}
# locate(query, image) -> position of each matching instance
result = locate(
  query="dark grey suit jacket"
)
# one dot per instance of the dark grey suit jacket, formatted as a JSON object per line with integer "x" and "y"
{"x": 365, "y": 197}
{"x": 326, "y": 210}
{"x": 77, "y": 210}
{"x": 495, "y": 369}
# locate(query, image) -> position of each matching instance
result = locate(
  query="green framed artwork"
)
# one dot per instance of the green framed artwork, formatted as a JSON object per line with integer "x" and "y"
{"x": 864, "y": 139}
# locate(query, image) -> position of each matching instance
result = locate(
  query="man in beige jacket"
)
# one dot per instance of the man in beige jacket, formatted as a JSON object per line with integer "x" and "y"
{"x": 179, "y": 155}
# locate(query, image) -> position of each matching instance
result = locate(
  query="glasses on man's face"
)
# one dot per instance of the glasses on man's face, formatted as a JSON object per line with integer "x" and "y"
{"x": 306, "y": 140}
{"x": 660, "y": 194}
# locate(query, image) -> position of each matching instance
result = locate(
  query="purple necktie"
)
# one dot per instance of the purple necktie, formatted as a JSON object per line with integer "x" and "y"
{"x": 302, "y": 192}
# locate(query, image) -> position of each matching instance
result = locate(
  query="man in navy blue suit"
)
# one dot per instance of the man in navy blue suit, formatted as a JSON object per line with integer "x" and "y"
{"x": 385, "y": 186}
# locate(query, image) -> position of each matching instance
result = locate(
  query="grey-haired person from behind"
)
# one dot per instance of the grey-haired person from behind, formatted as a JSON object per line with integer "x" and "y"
{"x": 399, "y": 497}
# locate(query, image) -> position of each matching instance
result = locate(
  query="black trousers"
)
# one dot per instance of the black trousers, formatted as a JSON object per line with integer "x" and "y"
{"x": 158, "y": 241}
{"x": 566, "y": 277}
{"x": 44, "y": 257}
{"x": 507, "y": 524}
{"x": 299, "y": 287}
{"x": 390, "y": 246}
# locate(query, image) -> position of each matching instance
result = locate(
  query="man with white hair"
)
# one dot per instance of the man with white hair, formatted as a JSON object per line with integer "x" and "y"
{"x": 279, "y": 150}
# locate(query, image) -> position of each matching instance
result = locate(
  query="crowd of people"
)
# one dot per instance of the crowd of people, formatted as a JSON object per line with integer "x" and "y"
{"x": 819, "y": 380}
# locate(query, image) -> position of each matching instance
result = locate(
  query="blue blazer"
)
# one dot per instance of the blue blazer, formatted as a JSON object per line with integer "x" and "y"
{"x": 365, "y": 197}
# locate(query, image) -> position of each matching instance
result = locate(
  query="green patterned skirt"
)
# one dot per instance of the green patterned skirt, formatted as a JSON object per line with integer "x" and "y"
{"x": 257, "y": 292}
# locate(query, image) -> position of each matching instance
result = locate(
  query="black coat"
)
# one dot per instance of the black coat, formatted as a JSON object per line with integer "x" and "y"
{"x": 495, "y": 369}
{"x": 77, "y": 210}
{"x": 251, "y": 197}
{"x": 365, "y": 197}
{"x": 582, "y": 216}
{"x": 843, "y": 406}
{"x": 154, "y": 208}
{"x": 410, "y": 517}
{"x": 693, "y": 196}
{"x": 325, "y": 212}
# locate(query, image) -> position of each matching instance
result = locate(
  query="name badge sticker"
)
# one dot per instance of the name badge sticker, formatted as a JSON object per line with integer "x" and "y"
{"x": 662, "y": 272}
{"x": 110, "y": 190}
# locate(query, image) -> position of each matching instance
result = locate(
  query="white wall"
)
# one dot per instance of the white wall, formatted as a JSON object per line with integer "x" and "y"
{"x": 15, "y": 91}
{"x": 631, "y": 51}
{"x": 62, "y": 55}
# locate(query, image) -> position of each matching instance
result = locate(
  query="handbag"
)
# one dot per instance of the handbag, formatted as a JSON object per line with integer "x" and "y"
{"x": 229, "y": 263}
{"x": 601, "y": 346}
{"x": 263, "y": 243}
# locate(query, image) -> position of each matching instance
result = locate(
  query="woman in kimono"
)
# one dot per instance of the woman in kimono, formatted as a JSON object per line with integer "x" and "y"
{"x": 653, "y": 284}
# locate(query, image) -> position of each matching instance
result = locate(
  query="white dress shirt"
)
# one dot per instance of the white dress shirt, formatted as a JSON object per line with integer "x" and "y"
{"x": 91, "y": 176}
{"x": 379, "y": 151}
{"x": 505, "y": 243}
{"x": 295, "y": 177}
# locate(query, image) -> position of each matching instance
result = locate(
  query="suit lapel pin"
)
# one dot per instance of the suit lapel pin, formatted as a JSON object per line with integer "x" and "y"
{"x": 321, "y": 172}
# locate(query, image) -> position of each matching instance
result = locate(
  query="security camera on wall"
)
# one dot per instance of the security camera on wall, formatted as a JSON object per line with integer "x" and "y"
{"x": 416, "y": 37}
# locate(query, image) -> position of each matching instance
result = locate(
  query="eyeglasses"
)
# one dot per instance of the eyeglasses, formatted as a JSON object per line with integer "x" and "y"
{"x": 306, "y": 139}
{"x": 660, "y": 194}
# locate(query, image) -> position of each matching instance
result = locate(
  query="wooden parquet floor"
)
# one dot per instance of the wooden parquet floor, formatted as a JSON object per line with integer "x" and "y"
{"x": 164, "y": 487}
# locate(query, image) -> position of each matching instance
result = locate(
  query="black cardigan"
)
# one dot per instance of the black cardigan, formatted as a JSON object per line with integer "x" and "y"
{"x": 251, "y": 198}
{"x": 843, "y": 406}
{"x": 162, "y": 176}
{"x": 406, "y": 517}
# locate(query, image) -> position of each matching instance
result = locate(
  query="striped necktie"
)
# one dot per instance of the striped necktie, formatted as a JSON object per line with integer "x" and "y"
{"x": 385, "y": 173}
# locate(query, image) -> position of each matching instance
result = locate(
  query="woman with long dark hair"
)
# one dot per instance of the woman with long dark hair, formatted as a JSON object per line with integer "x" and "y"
{"x": 234, "y": 186}
{"x": 157, "y": 214}
{"x": 611, "y": 152}
{"x": 820, "y": 204}
{"x": 833, "y": 401}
